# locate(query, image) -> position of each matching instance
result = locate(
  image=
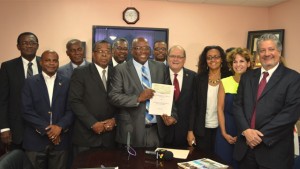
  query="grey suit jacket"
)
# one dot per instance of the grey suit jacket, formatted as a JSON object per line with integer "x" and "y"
{"x": 277, "y": 111}
{"x": 67, "y": 69}
{"x": 89, "y": 102}
{"x": 124, "y": 91}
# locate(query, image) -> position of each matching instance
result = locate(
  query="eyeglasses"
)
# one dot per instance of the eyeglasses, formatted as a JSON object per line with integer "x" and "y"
{"x": 213, "y": 57}
{"x": 139, "y": 48}
{"x": 27, "y": 43}
{"x": 162, "y": 49}
{"x": 123, "y": 49}
{"x": 176, "y": 56}
{"x": 103, "y": 51}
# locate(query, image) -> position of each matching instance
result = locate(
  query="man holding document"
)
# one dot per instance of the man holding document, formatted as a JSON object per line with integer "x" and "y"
{"x": 131, "y": 90}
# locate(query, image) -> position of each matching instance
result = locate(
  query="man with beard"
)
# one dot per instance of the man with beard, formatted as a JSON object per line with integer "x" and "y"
{"x": 160, "y": 49}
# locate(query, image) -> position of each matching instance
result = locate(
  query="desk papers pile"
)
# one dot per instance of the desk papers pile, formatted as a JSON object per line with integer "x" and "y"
{"x": 203, "y": 163}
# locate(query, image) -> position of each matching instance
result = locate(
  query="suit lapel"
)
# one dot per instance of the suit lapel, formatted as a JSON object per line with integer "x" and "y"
{"x": 57, "y": 86}
{"x": 69, "y": 70}
{"x": 43, "y": 88}
{"x": 273, "y": 80}
{"x": 109, "y": 75}
{"x": 254, "y": 83}
{"x": 134, "y": 75}
{"x": 96, "y": 76}
{"x": 185, "y": 80}
{"x": 168, "y": 73}
{"x": 38, "y": 59}
{"x": 20, "y": 70}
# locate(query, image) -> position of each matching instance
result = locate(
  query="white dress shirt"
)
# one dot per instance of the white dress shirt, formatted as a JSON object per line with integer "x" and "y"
{"x": 34, "y": 66}
{"x": 50, "y": 85}
{"x": 179, "y": 77}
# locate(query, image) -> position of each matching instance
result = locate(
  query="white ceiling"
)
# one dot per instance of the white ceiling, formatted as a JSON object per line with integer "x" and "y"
{"x": 258, "y": 3}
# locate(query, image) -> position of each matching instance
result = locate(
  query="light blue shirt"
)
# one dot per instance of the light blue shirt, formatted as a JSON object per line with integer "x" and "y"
{"x": 138, "y": 68}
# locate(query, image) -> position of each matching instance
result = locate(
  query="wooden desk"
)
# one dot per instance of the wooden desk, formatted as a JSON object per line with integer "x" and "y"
{"x": 114, "y": 158}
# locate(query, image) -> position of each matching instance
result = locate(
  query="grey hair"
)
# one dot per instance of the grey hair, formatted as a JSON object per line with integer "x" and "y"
{"x": 269, "y": 36}
{"x": 72, "y": 42}
{"x": 119, "y": 40}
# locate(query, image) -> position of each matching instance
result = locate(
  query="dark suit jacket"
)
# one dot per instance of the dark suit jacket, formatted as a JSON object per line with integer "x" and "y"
{"x": 67, "y": 69}
{"x": 197, "y": 118}
{"x": 277, "y": 111}
{"x": 36, "y": 107}
{"x": 125, "y": 89}
{"x": 176, "y": 135}
{"x": 12, "y": 78}
{"x": 89, "y": 102}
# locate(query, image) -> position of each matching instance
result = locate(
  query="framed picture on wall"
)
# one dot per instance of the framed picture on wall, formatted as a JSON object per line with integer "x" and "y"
{"x": 253, "y": 37}
{"x": 112, "y": 33}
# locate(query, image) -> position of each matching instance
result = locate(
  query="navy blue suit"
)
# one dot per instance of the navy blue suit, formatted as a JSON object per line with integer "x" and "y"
{"x": 35, "y": 108}
{"x": 277, "y": 111}
{"x": 177, "y": 133}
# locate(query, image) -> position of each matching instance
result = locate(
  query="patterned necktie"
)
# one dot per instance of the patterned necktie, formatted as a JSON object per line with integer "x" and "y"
{"x": 146, "y": 85}
{"x": 261, "y": 87}
{"x": 29, "y": 70}
{"x": 176, "y": 87}
{"x": 104, "y": 78}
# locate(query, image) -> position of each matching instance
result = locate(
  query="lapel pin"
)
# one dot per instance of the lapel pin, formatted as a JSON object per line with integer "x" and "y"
{"x": 59, "y": 84}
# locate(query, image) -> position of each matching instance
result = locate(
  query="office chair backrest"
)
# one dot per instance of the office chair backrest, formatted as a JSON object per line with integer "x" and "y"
{"x": 15, "y": 159}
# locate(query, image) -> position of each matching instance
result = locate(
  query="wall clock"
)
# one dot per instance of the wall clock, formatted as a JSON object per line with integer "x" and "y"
{"x": 131, "y": 15}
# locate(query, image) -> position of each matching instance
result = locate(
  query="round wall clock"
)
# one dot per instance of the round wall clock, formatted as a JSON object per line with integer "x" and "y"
{"x": 131, "y": 15}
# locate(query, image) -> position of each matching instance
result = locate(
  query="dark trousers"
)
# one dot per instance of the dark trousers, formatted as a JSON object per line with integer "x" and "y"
{"x": 48, "y": 158}
{"x": 151, "y": 137}
{"x": 207, "y": 142}
{"x": 249, "y": 161}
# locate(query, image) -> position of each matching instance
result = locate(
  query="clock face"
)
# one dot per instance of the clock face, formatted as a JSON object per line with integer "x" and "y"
{"x": 131, "y": 15}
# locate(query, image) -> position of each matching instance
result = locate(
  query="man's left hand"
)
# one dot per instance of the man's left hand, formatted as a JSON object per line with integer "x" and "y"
{"x": 168, "y": 120}
{"x": 53, "y": 131}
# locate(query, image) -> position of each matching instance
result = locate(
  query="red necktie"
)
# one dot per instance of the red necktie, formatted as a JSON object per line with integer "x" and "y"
{"x": 261, "y": 87}
{"x": 176, "y": 86}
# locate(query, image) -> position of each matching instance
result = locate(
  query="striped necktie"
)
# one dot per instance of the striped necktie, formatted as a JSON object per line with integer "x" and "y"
{"x": 29, "y": 70}
{"x": 146, "y": 85}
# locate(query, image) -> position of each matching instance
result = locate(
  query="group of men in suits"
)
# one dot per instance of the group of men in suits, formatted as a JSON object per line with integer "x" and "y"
{"x": 106, "y": 102}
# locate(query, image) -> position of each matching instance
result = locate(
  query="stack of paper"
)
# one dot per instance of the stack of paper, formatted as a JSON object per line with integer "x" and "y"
{"x": 203, "y": 163}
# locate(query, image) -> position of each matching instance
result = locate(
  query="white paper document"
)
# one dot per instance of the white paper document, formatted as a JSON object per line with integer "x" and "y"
{"x": 177, "y": 153}
{"x": 161, "y": 102}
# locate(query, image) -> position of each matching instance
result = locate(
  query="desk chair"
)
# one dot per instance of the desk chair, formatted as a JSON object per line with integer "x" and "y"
{"x": 15, "y": 159}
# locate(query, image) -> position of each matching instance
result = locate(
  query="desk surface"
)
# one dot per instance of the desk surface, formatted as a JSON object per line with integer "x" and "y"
{"x": 114, "y": 158}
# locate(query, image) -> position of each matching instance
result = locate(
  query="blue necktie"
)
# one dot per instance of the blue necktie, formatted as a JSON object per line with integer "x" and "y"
{"x": 146, "y": 85}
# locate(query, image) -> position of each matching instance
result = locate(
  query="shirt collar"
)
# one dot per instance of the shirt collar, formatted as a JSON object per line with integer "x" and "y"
{"x": 180, "y": 73}
{"x": 100, "y": 69}
{"x": 47, "y": 77}
{"x": 271, "y": 71}
{"x": 75, "y": 66}
{"x": 139, "y": 66}
{"x": 25, "y": 61}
